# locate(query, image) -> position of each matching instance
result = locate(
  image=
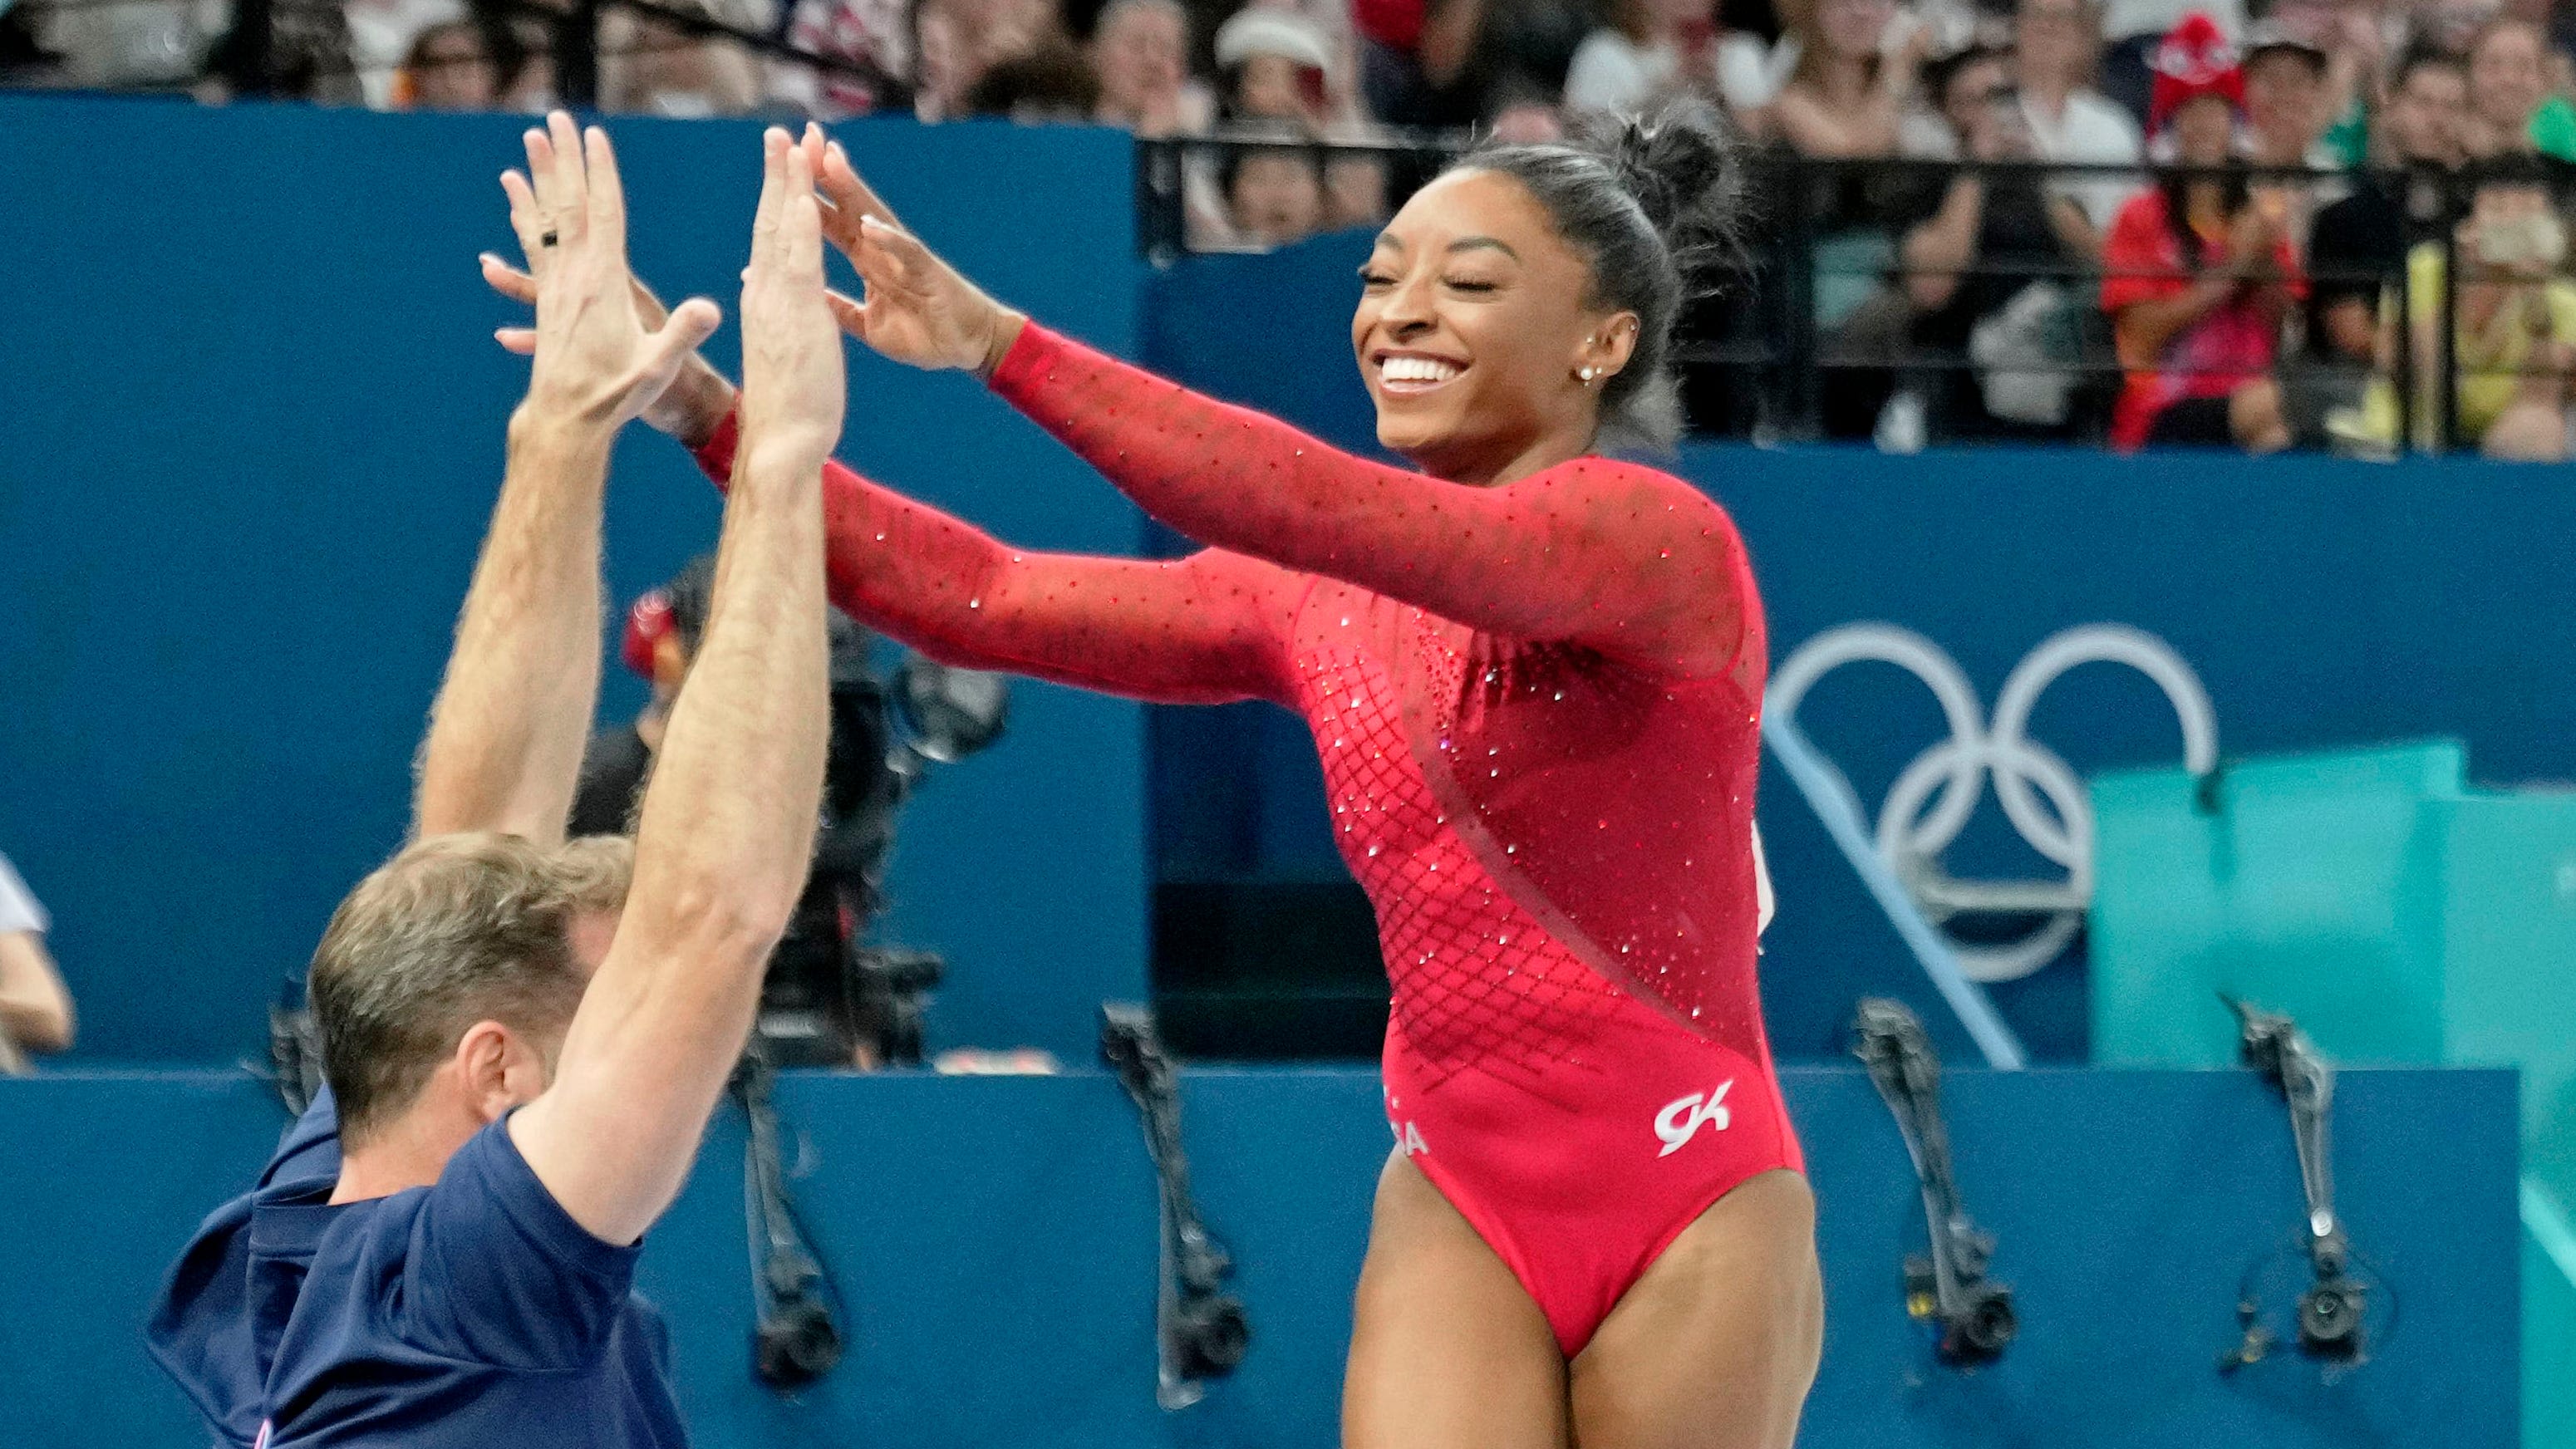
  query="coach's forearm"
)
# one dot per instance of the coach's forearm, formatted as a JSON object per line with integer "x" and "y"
{"x": 727, "y": 829}
{"x": 721, "y": 851}
{"x": 506, "y": 735}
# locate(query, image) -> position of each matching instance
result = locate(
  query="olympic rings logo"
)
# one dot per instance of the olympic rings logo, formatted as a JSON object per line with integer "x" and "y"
{"x": 1933, "y": 797}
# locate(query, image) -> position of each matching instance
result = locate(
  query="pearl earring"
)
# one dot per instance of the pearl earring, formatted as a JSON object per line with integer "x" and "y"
{"x": 1584, "y": 372}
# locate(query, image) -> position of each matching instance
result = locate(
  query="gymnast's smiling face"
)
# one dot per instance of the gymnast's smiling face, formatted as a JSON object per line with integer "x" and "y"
{"x": 1474, "y": 322}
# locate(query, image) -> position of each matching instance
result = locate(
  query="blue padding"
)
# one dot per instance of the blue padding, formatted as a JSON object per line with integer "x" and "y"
{"x": 996, "y": 1237}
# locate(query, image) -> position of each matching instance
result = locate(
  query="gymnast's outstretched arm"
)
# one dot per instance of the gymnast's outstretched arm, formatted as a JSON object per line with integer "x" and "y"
{"x": 1200, "y": 630}
{"x": 1204, "y": 629}
{"x": 1624, "y": 559}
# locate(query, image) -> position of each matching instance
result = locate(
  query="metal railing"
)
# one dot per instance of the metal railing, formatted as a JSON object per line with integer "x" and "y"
{"x": 1769, "y": 351}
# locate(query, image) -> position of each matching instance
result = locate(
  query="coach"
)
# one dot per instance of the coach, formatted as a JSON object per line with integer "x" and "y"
{"x": 522, "y": 1046}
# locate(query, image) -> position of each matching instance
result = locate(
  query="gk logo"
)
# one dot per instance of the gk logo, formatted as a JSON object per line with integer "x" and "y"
{"x": 1681, "y": 1120}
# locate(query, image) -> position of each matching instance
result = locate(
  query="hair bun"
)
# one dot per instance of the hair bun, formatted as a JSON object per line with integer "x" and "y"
{"x": 1682, "y": 167}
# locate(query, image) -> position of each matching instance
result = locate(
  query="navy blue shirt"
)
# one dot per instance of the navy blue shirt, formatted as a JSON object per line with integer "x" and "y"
{"x": 471, "y": 1312}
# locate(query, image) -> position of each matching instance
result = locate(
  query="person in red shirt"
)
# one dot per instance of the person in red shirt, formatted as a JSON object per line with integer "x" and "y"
{"x": 2199, "y": 270}
{"x": 1534, "y": 676}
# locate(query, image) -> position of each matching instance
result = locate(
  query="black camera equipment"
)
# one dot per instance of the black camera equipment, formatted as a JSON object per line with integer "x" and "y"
{"x": 2332, "y": 1308}
{"x": 1200, "y": 1329}
{"x": 1947, "y": 1286}
{"x": 794, "y": 1338}
{"x": 830, "y": 1001}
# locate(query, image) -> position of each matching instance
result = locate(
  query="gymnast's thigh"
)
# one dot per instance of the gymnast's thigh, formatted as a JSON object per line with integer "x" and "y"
{"x": 1448, "y": 1351}
{"x": 1715, "y": 1345}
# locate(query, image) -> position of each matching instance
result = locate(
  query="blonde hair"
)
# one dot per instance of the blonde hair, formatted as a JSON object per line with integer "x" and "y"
{"x": 454, "y": 930}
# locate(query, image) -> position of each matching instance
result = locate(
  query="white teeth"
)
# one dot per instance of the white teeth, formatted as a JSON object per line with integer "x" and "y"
{"x": 1416, "y": 369}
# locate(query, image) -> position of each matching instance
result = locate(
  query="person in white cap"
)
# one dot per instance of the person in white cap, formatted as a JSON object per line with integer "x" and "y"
{"x": 1277, "y": 65}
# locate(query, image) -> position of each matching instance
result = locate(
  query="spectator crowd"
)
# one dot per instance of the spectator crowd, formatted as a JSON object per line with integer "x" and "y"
{"x": 2246, "y": 223}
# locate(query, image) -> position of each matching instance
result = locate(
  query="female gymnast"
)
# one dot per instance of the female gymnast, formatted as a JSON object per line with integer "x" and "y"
{"x": 1535, "y": 678}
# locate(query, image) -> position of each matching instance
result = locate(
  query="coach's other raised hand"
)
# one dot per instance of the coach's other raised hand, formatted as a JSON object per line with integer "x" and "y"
{"x": 599, "y": 357}
{"x": 792, "y": 372}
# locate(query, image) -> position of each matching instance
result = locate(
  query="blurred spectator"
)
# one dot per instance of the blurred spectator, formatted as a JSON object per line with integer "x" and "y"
{"x": 1139, "y": 52}
{"x": 384, "y": 34}
{"x": 2451, "y": 26}
{"x": 2358, "y": 248}
{"x": 2199, "y": 271}
{"x": 2514, "y": 330}
{"x": 2356, "y": 41}
{"x": 1053, "y": 83}
{"x": 24, "y": 60}
{"x": 2056, "y": 45}
{"x": 2134, "y": 29}
{"x": 949, "y": 67}
{"x": 2509, "y": 100}
{"x": 1274, "y": 194}
{"x": 306, "y": 57}
{"x": 876, "y": 35}
{"x": 959, "y": 40}
{"x": 1277, "y": 65}
{"x": 139, "y": 45}
{"x": 656, "y": 66}
{"x": 1857, "y": 70}
{"x": 1849, "y": 97}
{"x": 1413, "y": 52}
{"x": 1649, "y": 49}
{"x": 1968, "y": 269}
{"x": 449, "y": 69}
{"x": 35, "y": 1010}
{"x": 1456, "y": 63}
{"x": 528, "y": 86}
{"x": 2285, "y": 99}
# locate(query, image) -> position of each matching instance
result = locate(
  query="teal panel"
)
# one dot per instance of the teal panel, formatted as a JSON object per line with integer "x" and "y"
{"x": 2309, "y": 888}
{"x": 2509, "y": 953}
{"x": 2548, "y": 1321}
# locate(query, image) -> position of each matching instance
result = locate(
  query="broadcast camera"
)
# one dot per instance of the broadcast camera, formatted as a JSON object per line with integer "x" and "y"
{"x": 829, "y": 1000}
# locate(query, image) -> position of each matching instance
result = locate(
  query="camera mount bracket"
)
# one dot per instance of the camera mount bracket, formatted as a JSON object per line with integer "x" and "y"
{"x": 2330, "y": 1311}
{"x": 794, "y": 1340}
{"x": 1200, "y": 1330}
{"x": 1948, "y": 1285}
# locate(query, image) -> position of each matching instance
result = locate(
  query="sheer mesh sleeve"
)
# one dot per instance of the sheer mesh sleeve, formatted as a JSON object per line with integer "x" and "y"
{"x": 1205, "y": 629}
{"x": 1625, "y": 559}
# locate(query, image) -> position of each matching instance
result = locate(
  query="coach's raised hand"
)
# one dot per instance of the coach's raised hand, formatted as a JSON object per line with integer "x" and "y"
{"x": 599, "y": 357}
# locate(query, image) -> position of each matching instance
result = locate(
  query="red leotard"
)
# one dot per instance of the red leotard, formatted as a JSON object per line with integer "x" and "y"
{"x": 1538, "y": 710}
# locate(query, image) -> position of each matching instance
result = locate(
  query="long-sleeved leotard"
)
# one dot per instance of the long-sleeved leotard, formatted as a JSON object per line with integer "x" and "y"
{"x": 1537, "y": 707}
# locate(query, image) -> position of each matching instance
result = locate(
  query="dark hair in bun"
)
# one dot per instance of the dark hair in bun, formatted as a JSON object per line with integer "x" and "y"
{"x": 1654, "y": 202}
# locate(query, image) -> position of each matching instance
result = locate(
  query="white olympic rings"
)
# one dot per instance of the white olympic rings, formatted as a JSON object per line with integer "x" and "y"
{"x": 1949, "y": 777}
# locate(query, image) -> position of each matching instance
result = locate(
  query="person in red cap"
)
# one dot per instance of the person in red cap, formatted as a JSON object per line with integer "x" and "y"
{"x": 2198, "y": 271}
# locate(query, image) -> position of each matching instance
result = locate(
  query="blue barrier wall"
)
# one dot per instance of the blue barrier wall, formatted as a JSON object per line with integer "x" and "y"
{"x": 2322, "y": 603}
{"x": 996, "y": 1240}
{"x": 256, "y": 421}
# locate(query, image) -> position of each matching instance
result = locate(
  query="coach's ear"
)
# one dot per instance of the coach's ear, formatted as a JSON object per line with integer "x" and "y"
{"x": 497, "y": 1069}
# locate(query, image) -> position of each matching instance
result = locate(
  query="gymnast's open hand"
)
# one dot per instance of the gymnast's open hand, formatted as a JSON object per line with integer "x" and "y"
{"x": 917, "y": 309}
{"x": 792, "y": 374}
{"x": 603, "y": 349}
